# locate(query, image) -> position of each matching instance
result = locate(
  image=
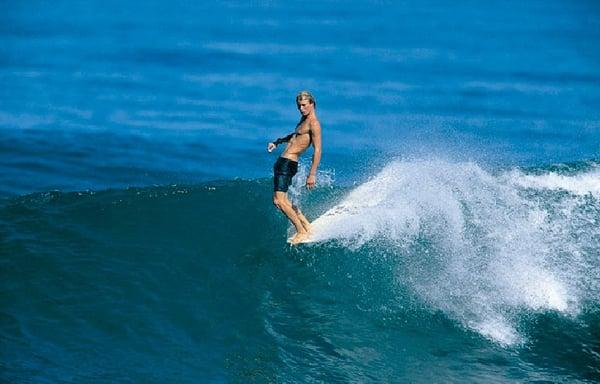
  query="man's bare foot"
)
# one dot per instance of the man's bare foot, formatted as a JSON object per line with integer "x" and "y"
{"x": 299, "y": 237}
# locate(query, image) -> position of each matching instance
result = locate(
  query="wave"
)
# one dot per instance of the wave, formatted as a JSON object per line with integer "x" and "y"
{"x": 483, "y": 248}
{"x": 581, "y": 184}
{"x": 486, "y": 249}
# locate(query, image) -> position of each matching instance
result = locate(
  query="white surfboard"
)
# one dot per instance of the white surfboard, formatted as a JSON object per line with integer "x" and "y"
{"x": 310, "y": 239}
{"x": 338, "y": 222}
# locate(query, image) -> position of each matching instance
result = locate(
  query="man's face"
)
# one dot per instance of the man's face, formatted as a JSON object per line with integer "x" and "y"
{"x": 304, "y": 106}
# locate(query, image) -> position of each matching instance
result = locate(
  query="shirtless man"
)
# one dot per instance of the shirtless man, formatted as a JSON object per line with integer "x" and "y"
{"x": 307, "y": 131}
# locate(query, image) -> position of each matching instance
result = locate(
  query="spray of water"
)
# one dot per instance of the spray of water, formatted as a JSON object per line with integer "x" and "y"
{"x": 483, "y": 248}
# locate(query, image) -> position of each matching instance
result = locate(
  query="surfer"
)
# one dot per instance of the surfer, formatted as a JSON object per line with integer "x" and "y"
{"x": 308, "y": 130}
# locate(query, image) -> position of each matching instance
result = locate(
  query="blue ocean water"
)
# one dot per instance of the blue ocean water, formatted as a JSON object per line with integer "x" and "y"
{"x": 459, "y": 190}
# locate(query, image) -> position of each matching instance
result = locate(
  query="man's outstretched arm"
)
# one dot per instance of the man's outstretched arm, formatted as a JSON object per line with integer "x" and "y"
{"x": 275, "y": 143}
{"x": 283, "y": 139}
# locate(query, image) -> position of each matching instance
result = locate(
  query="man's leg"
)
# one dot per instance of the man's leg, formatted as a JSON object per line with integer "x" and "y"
{"x": 303, "y": 219}
{"x": 281, "y": 201}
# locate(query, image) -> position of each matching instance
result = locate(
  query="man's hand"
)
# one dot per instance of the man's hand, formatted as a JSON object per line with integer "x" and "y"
{"x": 311, "y": 180}
{"x": 271, "y": 147}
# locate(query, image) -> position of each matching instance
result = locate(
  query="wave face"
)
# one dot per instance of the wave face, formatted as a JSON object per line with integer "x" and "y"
{"x": 427, "y": 264}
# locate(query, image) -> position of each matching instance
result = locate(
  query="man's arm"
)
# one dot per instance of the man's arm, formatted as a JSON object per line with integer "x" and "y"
{"x": 283, "y": 139}
{"x": 315, "y": 128}
{"x": 271, "y": 146}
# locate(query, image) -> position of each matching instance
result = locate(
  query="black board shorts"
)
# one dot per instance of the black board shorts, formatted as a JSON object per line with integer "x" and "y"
{"x": 283, "y": 171}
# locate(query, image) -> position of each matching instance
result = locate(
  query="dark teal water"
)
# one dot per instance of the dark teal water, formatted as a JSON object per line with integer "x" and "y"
{"x": 197, "y": 284}
{"x": 460, "y": 184}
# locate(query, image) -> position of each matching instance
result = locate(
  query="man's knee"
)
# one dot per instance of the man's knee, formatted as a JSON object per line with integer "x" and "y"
{"x": 278, "y": 200}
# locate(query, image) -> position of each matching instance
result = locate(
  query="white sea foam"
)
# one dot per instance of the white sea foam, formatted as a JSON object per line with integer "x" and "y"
{"x": 325, "y": 179}
{"x": 498, "y": 329}
{"x": 476, "y": 245}
{"x": 579, "y": 184}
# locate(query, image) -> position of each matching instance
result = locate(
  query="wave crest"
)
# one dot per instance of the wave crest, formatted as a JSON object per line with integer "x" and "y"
{"x": 478, "y": 246}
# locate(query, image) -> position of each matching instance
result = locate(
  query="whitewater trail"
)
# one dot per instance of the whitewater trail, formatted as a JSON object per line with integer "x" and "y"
{"x": 501, "y": 248}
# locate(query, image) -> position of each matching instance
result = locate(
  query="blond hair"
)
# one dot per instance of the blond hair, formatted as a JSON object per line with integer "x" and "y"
{"x": 306, "y": 95}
